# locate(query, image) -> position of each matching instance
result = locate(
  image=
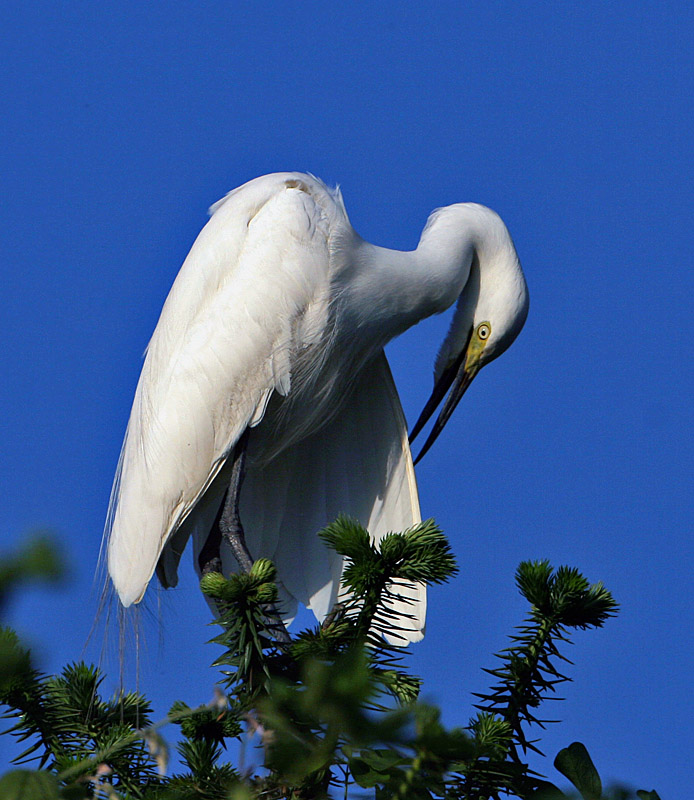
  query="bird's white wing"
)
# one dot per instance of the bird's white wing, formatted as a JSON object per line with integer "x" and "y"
{"x": 360, "y": 465}
{"x": 253, "y": 289}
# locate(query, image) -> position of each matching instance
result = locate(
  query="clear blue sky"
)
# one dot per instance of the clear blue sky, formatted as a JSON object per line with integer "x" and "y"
{"x": 122, "y": 122}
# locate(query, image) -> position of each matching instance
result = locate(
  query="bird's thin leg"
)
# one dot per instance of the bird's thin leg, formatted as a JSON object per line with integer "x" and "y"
{"x": 230, "y": 520}
{"x": 228, "y": 526}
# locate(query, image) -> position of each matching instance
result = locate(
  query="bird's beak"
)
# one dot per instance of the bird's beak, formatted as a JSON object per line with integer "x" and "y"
{"x": 457, "y": 377}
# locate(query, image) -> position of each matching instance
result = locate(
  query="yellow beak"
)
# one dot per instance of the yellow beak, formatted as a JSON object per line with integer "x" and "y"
{"x": 458, "y": 376}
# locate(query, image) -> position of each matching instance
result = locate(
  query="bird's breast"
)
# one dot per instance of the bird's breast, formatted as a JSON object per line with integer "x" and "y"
{"x": 322, "y": 383}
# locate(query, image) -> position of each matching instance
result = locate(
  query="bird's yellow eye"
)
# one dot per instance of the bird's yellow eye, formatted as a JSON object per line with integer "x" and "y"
{"x": 483, "y": 330}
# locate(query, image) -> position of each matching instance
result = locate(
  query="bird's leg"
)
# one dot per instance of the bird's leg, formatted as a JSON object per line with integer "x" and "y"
{"x": 228, "y": 521}
{"x": 335, "y": 613}
{"x": 230, "y": 525}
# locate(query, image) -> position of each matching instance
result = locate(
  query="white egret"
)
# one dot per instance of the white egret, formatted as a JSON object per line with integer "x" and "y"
{"x": 270, "y": 348}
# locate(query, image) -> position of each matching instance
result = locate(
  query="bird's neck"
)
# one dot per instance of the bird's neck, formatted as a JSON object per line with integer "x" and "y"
{"x": 413, "y": 285}
{"x": 452, "y": 239}
{"x": 393, "y": 290}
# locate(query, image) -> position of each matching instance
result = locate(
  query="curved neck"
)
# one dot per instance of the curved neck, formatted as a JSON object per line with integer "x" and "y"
{"x": 391, "y": 290}
{"x": 456, "y": 236}
{"x": 396, "y": 289}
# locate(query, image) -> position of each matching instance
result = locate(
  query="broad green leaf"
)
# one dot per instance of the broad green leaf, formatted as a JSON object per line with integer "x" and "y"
{"x": 381, "y": 759}
{"x": 575, "y": 763}
{"x": 78, "y": 791}
{"x": 547, "y": 791}
{"x": 371, "y": 767}
{"x": 240, "y": 792}
{"x": 364, "y": 775}
{"x": 25, "y": 784}
{"x": 642, "y": 794}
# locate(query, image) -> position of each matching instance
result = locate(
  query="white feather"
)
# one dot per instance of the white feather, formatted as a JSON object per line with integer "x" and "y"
{"x": 276, "y": 322}
{"x": 359, "y": 465}
{"x": 219, "y": 349}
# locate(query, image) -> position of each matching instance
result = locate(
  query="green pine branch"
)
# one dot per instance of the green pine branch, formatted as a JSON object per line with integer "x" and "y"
{"x": 316, "y": 705}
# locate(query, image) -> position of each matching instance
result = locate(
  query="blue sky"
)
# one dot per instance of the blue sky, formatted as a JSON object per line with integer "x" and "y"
{"x": 124, "y": 122}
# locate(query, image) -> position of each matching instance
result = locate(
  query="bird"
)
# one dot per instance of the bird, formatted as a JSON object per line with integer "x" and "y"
{"x": 268, "y": 358}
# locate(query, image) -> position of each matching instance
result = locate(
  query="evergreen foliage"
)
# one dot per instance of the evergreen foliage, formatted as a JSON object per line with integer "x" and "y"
{"x": 333, "y": 708}
{"x": 529, "y": 670}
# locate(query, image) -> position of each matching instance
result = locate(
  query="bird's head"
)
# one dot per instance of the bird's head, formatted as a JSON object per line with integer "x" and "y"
{"x": 490, "y": 312}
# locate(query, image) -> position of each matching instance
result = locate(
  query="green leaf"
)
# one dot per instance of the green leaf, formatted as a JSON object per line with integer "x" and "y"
{"x": 25, "y": 784}
{"x": 15, "y": 664}
{"x": 37, "y": 560}
{"x": 421, "y": 553}
{"x": 544, "y": 790}
{"x": 364, "y": 774}
{"x": 41, "y": 559}
{"x": 574, "y": 763}
{"x": 263, "y": 570}
{"x": 78, "y": 791}
{"x": 240, "y": 792}
{"x": 534, "y": 579}
{"x": 382, "y": 760}
{"x": 348, "y": 538}
{"x": 644, "y": 795}
{"x": 377, "y": 766}
{"x": 213, "y": 584}
{"x": 493, "y": 735}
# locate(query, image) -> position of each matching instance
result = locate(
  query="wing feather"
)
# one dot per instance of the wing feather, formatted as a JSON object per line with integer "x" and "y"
{"x": 359, "y": 464}
{"x": 222, "y": 345}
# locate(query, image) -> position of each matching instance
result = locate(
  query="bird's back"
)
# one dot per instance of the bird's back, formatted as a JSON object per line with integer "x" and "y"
{"x": 254, "y": 288}
{"x": 246, "y": 338}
